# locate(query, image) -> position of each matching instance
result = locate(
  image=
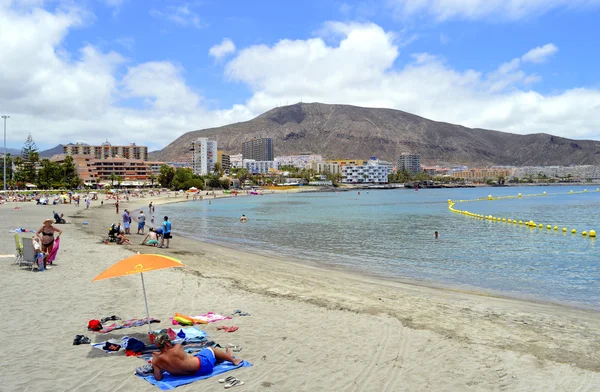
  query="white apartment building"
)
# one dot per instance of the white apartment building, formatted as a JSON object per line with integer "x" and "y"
{"x": 299, "y": 161}
{"x": 235, "y": 161}
{"x": 368, "y": 172}
{"x": 204, "y": 155}
{"x": 323, "y": 167}
{"x": 256, "y": 167}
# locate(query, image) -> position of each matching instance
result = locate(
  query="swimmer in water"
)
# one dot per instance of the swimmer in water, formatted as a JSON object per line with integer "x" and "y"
{"x": 243, "y": 219}
{"x": 436, "y": 234}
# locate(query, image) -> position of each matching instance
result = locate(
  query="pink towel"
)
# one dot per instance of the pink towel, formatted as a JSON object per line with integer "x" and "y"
{"x": 54, "y": 251}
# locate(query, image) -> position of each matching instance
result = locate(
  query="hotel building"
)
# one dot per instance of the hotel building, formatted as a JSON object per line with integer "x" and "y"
{"x": 409, "y": 162}
{"x": 204, "y": 156}
{"x": 224, "y": 161}
{"x": 107, "y": 151}
{"x": 368, "y": 172}
{"x": 300, "y": 161}
{"x": 258, "y": 149}
{"x": 259, "y": 167}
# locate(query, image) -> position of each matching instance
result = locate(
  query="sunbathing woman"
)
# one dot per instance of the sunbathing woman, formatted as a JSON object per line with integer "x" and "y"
{"x": 46, "y": 234}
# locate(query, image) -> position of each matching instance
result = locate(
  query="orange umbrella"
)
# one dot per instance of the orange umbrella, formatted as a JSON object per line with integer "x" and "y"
{"x": 138, "y": 264}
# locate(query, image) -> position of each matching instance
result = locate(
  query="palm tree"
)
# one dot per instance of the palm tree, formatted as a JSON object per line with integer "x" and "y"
{"x": 218, "y": 169}
{"x": 113, "y": 177}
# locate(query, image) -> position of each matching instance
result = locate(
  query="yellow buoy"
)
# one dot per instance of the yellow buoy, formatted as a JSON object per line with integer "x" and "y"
{"x": 490, "y": 197}
{"x": 585, "y": 190}
{"x": 571, "y": 191}
{"x": 449, "y": 201}
{"x": 520, "y": 195}
{"x": 544, "y": 193}
{"x": 564, "y": 229}
{"x": 541, "y": 226}
{"x": 503, "y": 219}
{"x": 548, "y": 227}
{"x": 520, "y": 222}
{"x": 584, "y": 233}
{"x": 509, "y": 221}
{"x": 573, "y": 231}
{"x": 555, "y": 228}
{"x": 592, "y": 233}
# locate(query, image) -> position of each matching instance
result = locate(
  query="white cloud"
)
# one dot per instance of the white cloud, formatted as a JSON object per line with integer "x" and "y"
{"x": 61, "y": 97}
{"x": 539, "y": 54}
{"x": 126, "y": 42}
{"x": 91, "y": 95}
{"x": 181, "y": 15}
{"x": 484, "y": 9}
{"x": 223, "y": 49}
{"x": 359, "y": 70}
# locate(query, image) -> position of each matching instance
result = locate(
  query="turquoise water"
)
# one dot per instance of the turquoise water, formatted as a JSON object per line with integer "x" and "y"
{"x": 389, "y": 233}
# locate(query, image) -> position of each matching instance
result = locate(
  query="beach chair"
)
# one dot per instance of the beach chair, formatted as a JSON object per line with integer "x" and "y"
{"x": 29, "y": 257}
{"x": 19, "y": 248}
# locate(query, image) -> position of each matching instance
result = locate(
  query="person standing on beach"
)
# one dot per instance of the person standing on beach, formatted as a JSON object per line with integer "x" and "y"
{"x": 46, "y": 234}
{"x": 166, "y": 232}
{"x": 126, "y": 221}
{"x": 117, "y": 206}
{"x": 87, "y": 203}
{"x": 141, "y": 222}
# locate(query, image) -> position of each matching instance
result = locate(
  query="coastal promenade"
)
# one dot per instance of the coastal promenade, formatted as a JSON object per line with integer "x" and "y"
{"x": 309, "y": 329}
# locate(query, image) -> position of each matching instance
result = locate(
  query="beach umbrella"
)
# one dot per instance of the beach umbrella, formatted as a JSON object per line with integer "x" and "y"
{"x": 138, "y": 264}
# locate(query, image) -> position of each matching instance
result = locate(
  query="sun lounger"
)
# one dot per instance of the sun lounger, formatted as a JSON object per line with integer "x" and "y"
{"x": 29, "y": 257}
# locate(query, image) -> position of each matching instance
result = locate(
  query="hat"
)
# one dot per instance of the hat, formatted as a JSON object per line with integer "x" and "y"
{"x": 161, "y": 340}
{"x": 48, "y": 220}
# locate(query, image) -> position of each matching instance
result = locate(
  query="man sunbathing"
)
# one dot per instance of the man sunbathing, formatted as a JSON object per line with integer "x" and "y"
{"x": 177, "y": 362}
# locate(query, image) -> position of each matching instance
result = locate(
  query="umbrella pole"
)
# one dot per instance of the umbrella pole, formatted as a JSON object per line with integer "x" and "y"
{"x": 146, "y": 302}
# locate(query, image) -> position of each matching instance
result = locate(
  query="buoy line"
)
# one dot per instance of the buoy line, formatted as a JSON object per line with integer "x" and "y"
{"x": 531, "y": 224}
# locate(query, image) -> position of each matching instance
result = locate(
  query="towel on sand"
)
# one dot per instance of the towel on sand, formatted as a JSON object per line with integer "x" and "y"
{"x": 171, "y": 382}
{"x": 135, "y": 322}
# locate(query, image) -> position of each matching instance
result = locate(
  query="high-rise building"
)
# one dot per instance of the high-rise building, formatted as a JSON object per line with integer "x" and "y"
{"x": 107, "y": 151}
{"x": 409, "y": 162}
{"x": 224, "y": 160}
{"x": 258, "y": 149}
{"x": 204, "y": 155}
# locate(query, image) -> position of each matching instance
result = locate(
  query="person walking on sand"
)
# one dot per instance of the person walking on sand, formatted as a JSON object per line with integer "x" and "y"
{"x": 166, "y": 232}
{"x": 141, "y": 222}
{"x": 117, "y": 206}
{"x": 173, "y": 359}
{"x": 87, "y": 203}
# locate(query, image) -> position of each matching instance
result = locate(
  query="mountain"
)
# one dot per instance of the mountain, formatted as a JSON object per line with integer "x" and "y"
{"x": 344, "y": 131}
{"x": 51, "y": 151}
{"x": 12, "y": 151}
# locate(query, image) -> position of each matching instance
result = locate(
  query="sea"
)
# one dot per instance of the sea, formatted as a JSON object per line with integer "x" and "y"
{"x": 390, "y": 234}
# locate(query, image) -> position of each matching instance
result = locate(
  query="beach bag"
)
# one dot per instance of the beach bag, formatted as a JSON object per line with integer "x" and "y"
{"x": 94, "y": 325}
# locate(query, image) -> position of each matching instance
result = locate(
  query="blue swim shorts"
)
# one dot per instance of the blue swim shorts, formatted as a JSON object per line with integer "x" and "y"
{"x": 141, "y": 225}
{"x": 206, "y": 362}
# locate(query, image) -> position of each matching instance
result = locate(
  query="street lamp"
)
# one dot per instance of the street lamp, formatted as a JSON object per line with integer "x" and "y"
{"x": 5, "y": 117}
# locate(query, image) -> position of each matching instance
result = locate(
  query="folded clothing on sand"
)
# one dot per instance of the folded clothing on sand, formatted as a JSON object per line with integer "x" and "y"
{"x": 171, "y": 382}
{"x": 135, "y": 322}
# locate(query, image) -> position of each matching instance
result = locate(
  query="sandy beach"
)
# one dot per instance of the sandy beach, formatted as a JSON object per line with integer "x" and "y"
{"x": 309, "y": 329}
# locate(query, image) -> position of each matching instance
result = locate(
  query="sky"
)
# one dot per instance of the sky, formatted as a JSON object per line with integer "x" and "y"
{"x": 146, "y": 72}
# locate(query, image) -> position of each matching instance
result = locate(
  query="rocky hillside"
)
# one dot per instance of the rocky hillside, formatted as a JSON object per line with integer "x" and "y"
{"x": 343, "y": 131}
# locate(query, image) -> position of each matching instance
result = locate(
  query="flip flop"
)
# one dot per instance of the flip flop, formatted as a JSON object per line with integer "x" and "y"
{"x": 234, "y": 383}
{"x": 228, "y": 379}
{"x": 233, "y": 328}
{"x": 235, "y": 348}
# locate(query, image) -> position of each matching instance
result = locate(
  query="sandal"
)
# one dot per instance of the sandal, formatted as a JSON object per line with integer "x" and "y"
{"x": 234, "y": 383}
{"x": 228, "y": 379}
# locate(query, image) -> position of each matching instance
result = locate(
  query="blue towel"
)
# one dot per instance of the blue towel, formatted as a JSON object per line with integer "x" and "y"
{"x": 171, "y": 382}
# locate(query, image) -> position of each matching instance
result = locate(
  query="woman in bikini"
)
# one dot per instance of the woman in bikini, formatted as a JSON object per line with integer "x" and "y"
{"x": 46, "y": 234}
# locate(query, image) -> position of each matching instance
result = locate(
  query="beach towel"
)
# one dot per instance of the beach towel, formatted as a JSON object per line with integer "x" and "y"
{"x": 209, "y": 317}
{"x": 135, "y": 322}
{"x": 54, "y": 251}
{"x": 171, "y": 382}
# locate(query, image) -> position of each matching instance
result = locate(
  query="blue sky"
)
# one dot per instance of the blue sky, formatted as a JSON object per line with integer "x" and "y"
{"x": 149, "y": 71}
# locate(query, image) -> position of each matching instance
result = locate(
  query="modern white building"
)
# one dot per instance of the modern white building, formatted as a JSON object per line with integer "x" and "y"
{"x": 235, "y": 161}
{"x": 369, "y": 172}
{"x": 204, "y": 155}
{"x": 323, "y": 167}
{"x": 256, "y": 167}
{"x": 300, "y": 161}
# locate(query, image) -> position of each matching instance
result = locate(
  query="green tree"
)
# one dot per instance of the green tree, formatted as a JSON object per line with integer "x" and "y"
{"x": 181, "y": 178}
{"x": 71, "y": 179}
{"x": 30, "y": 157}
{"x": 166, "y": 175}
{"x": 113, "y": 178}
{"x": 218, "y": 169}
{"x": 49, "y": 174}
{"x": 242, "y": 175}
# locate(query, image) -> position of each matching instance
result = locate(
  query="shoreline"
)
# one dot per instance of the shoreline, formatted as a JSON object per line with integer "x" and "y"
{"x": 372, "y": 301}
{"x": 465, "y": 289}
